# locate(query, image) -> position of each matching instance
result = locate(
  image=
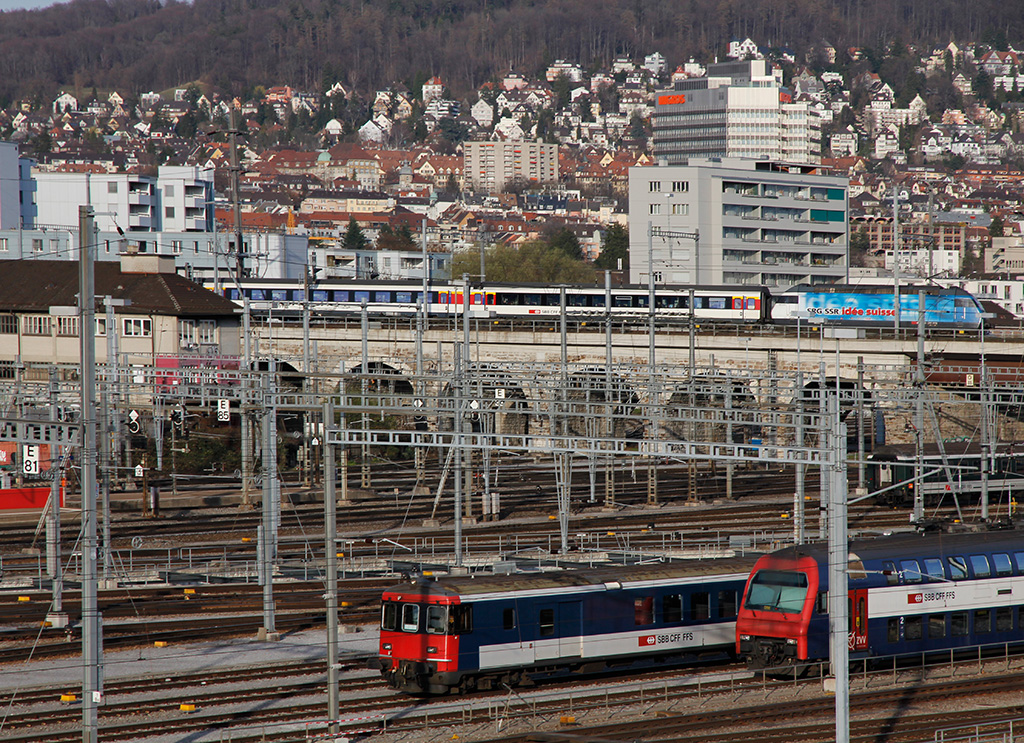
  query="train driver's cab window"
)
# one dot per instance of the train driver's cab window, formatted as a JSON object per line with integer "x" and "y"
{"x": 1001, "y": 561}
{"x": 700, "y": 606}
{"x": 892, "y": 577}
{"x": 437, "y": 619}
{"x": 547, "y": 622}
{"x": 777, "y": 590}
{"x": 672, "y": 608}
{"x": 980, "y": 566}
{"x": 957, "y": 567}
{"x": 643, "y": 611}
{"x": 389, "y": 616}
{"x": 410, "y": 618}
{"x": 508, "y": 619}
{"x": 933, "y": 569}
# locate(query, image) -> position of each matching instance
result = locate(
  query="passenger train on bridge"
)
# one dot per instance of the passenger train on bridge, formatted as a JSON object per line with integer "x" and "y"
{"x": 860, "y": 305}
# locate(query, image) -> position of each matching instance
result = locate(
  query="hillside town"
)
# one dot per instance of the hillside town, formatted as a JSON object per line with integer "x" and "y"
{"x": 355, "y": 183}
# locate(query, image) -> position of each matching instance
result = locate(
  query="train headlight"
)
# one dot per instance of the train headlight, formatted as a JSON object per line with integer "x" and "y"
{"x": 791, "y": 641}
{"x": 431, "y": 649}
{"x": 386, "y": 646}
{"x": 745, "y": 638}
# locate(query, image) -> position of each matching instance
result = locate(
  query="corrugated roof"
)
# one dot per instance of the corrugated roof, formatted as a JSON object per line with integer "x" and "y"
{"x": 37, "y": 285}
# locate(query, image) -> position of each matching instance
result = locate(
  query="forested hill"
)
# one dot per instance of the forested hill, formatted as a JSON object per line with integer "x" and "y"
{"x": 139, "y": 45}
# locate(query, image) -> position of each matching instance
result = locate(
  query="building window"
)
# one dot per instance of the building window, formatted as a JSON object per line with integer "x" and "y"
{"x": 111, "y": 186}
{"x": 38, "y": 325}
{"x": 37, "y": 245}
{"x": 655, "y": 186}
{"x": 655, "y": 209}
{"x": 176, "y": 247}
{"x": 3, "y": 245}
{"x": 169, "y": 192}
{"x": 137, "y": 327}
{"x": 67, "y": 326}
{"x": 206, "y": 332}
{"x": 8, "y": 324}
{"x": 101, "y": 326}
{"x": 680, "y": 210}
{"x": 680, "y": 186}
{"x": 186, "y": 332}
{"x": 169, "y": 212}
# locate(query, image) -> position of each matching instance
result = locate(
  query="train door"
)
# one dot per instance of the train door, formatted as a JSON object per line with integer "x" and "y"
{"x": 570, "y": 629}
{"x": 858, "y": 607}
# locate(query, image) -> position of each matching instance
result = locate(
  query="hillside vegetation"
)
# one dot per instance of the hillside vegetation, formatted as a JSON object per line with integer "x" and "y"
{"x": 138, "y": 45}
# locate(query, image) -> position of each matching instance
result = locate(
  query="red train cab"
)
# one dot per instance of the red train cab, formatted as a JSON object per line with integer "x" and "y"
{"x": 419, "y": 638}
{"x": 778, "y": 609}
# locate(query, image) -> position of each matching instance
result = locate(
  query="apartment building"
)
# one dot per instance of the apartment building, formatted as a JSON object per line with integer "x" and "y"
{"x": 492, "y": 166}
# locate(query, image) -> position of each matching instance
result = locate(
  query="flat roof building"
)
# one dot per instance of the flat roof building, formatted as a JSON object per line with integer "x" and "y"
{"x": 734, "y": 221}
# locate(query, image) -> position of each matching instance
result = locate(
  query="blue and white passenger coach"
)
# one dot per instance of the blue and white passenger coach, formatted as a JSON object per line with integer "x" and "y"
{"x": 908, "y": 594}
{"x": 469, "y": 632}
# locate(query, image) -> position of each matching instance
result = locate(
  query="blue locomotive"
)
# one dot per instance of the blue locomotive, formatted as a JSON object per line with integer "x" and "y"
{"x": 909, "y": 594}
{"x": 479, "y": 632}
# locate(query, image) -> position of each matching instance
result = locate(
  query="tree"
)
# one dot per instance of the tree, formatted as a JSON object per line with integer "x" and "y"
{"x": 354, "y": 238}
{"x": 532, "y": 262}
{"x": 995, "y": 229}
{"x": 565, "y": 241}
{"x": 391, "y": 239}
{"x": 616, "y": 248}
{"x": 859, "y": 245}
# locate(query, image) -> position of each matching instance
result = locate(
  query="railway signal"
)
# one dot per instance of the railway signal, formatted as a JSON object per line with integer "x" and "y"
{"x": 133, "y": 422}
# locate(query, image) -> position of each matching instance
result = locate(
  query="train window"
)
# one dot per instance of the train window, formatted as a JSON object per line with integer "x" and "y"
{"x": 726, "y": 604}
{"x": 913, "y": 628}
{"x": 597, "y": 300}
{"x": 552, "y": 300}
{"x": 672, "y": 609}
{"x": 1004, "y": 619}
{"x": 403, "y": 297}
{"x": 258, "y": 294}
{"x": 547, "y": 622}
{"x": 933, "y": 569}
{"x": 389, "y": 616}
{"x": 233, "y": 294}
{"x": 718, "y": 303}
{"x": 643, "y": 611}
{"x": 410, "y": 618}
{"x": 700, "y": 606}
{"x": 980, "y": 566}
{"x": 911, "y": 571}
{"x": 1018, "y": 559}
{"x": 982, "y": 621}
{"x": 698, "y": 303}
{"x": 1001, "y": 560}
{"x": 957, "y": 567}
{"x": 892, "y": 630}
{"x": 508, "y": 619}
{"x": 576, "y": 300}
{"x": 437, "y": 620}
{"x": 751, "y": 303}
{"x": 936, "y": 626}
{"x": 279, "y": 295}
{"x": 958, "y": 624}
{"x": 821, "y": 604}
{"x": 777, "y": 590}
{"x": 622, "y": 300}
{"x": 320, "y": 295}
{"x": 342, "y": 295}
{"x": 460, "y": 621}
{"x": 889, "y": 569}
{"x": 531, "y": 300}
{"x": 360, "y": 296}
{"x": 383, "y": 297}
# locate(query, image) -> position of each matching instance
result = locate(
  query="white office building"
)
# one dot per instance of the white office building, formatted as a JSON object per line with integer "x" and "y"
{"x": 734, "y": 221}
{"x": 739, "y": 109}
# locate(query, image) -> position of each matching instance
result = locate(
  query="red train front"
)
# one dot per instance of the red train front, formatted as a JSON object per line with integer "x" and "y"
{"x": 419, "y": 638}
{"x": 777, "y": 619}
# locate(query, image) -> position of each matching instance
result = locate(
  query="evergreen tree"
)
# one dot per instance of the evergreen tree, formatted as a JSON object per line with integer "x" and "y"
{"x": 566, "y": 242}
{"x": 354, "y": 238}
{"x": 616, "y": 248}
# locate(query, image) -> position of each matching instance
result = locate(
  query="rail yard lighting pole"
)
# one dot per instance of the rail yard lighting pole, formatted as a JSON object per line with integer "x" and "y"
{"x": 92, "y": 687}
{"x": 331, "y": 558}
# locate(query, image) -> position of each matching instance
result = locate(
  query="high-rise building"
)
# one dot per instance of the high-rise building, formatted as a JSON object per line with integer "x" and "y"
{"x": 491, "y": 166}
{"x": 734, "y": 221}
{"x": 739, "y": 109}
